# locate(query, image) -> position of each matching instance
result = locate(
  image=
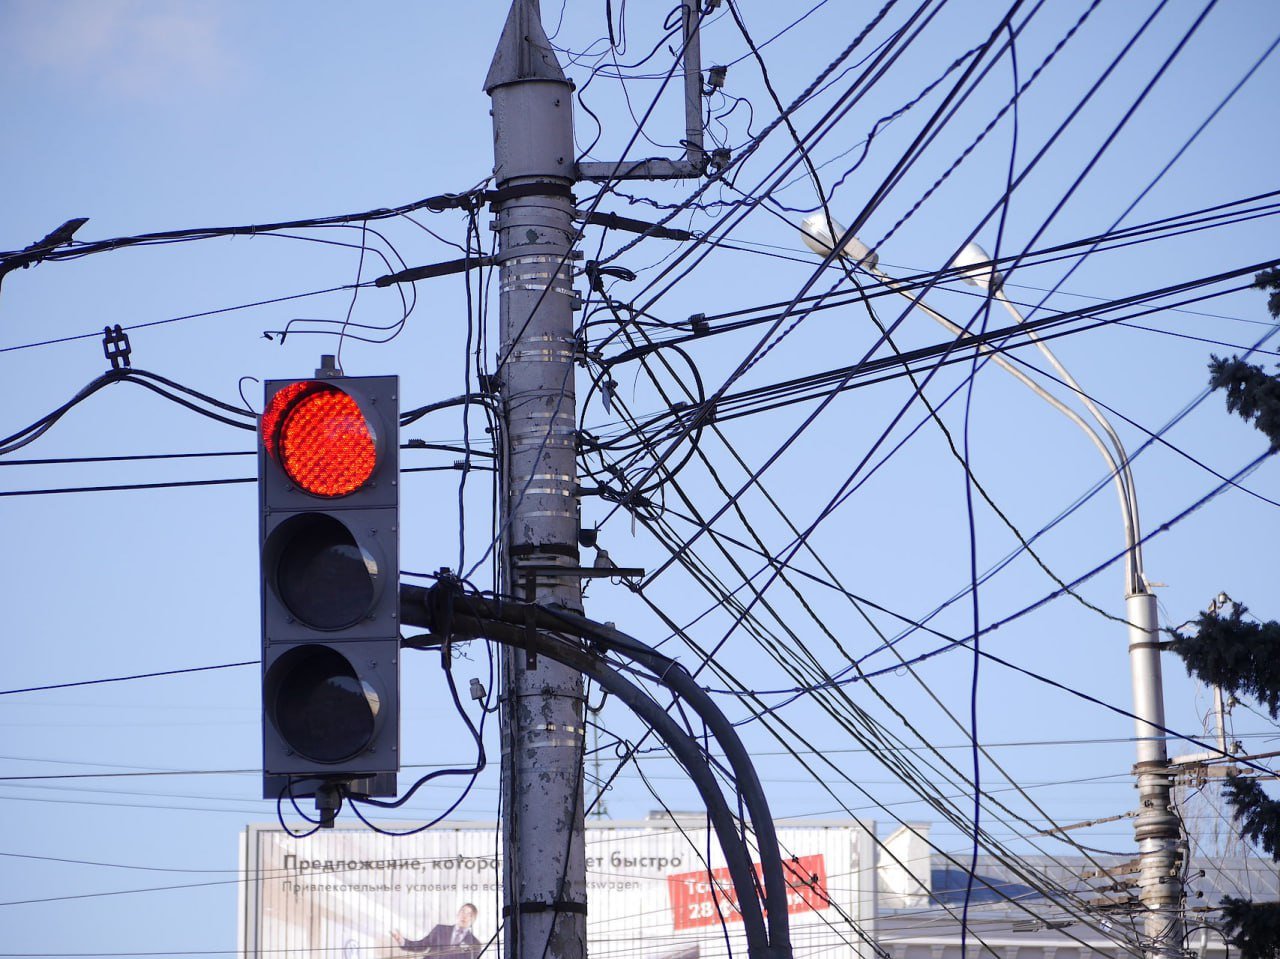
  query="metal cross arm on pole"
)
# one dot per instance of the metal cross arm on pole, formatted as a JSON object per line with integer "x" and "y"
{"x": 615, "y": 222}
{"x": 694, "y": 164}
{"x": 434, "y": 269}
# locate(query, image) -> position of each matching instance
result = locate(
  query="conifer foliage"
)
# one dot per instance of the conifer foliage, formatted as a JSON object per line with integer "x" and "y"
{"x": 1238, "y": 656}
{"x": 1251, "y": 391}
{"x": 1252, "y": 927}
{"x": 1243, "y": 658}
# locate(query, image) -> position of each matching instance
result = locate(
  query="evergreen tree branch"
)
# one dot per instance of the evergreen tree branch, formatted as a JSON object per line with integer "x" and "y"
{"x": 1252, "y": 927}
{"x": 1240, "y": 657}
{"x": 1270, "y": 280}
{"x": 1257, "y": 813}
{"x": 1251, "y": 391}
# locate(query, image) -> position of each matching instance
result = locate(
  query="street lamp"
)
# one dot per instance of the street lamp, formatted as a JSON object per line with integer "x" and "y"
{"x": 1156, "y": 827}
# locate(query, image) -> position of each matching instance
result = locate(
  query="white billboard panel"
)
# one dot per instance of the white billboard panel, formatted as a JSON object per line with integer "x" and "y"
{"x": 654, "y": 891}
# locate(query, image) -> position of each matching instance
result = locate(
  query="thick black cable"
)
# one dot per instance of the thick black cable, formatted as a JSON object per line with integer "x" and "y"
{"x": 77, "y": 250}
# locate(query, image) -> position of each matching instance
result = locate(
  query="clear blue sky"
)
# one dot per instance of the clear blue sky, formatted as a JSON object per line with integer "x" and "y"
{"x": 148, "y": 116}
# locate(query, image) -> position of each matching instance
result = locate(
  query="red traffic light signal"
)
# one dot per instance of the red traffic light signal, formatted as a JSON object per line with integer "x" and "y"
{"x": 329, "y": 471}
{"x": 321, "y": 438}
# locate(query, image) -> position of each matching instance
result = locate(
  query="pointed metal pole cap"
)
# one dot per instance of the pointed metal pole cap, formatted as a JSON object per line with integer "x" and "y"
{"x": 524, "y": 52}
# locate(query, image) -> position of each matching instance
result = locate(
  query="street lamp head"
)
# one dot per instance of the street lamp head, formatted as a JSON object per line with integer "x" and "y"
{"x": 976, "y": 268}
{"x": 820, "y": 233}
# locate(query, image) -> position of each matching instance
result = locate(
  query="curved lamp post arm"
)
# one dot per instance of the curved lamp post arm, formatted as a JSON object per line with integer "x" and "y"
{"x": 1119, "y": 468}
{"x": 1129, "y": 498}
{"x": 1157, "y": 828}
{"x": 819, "y": 232}
{"x": 979, "y": 270}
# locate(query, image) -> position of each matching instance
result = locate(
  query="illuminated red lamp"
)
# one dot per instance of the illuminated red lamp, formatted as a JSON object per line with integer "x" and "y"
{"x": 321, "y": 438}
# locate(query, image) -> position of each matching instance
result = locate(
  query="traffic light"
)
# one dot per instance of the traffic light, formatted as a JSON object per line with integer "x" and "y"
{"x": 328, "y": 471}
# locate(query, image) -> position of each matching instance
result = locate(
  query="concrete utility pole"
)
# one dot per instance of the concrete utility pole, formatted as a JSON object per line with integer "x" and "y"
{"x": 544, "y": 881}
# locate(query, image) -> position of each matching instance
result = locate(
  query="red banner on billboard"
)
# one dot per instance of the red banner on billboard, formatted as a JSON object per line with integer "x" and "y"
{"x": 702, "y": 898}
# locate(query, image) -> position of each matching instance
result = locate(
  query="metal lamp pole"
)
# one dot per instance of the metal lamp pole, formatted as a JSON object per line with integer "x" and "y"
{"x": 1157, "y": 828}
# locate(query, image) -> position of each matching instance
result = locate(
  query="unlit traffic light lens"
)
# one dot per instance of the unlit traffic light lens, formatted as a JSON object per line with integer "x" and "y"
{"x": 322, "y": 576}
{"x": 322, "y": 709}
{"x": 321, "y": 439}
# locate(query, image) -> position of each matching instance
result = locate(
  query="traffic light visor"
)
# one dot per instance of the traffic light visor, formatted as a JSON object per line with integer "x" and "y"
{"x": 321, "y": 438}
{"x": 322, "y": 709}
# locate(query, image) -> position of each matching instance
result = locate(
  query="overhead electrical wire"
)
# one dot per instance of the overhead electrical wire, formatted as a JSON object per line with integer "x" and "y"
{"x": 1153, "y": 437}
{"x": 1042, "y": 151}
{"x": 664, "y": 477}
{"x": 829, "y": 258}
{"x": 1165, "y": 228}
{"x": 768, "y": 341}
{"x": 780, "y": 661}
{"x": 77, "y": 250}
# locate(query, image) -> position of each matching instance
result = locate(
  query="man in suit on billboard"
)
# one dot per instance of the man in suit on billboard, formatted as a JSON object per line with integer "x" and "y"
{"x": 446, "y": 941}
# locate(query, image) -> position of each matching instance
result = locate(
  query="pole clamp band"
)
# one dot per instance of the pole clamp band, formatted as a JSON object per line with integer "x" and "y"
{"x": 560, "y": 905}
{"x": 519, "y": 190}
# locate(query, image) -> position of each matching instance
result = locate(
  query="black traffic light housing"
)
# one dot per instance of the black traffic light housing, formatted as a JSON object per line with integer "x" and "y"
{"x": 328, "y": 469}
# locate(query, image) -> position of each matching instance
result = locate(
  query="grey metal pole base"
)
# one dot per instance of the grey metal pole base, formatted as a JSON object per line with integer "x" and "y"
{"x": 1157, "y": 828}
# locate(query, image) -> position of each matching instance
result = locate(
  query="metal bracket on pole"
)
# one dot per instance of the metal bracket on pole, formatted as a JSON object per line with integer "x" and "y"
{"x": 694, "y": 164}
{"x": 654, "y": 168}
{"x": 533, "y": 571}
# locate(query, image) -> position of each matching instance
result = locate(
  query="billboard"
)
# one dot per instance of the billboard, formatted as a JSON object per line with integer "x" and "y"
{"x": 655, "y": 890}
